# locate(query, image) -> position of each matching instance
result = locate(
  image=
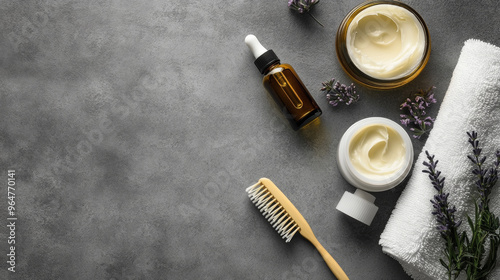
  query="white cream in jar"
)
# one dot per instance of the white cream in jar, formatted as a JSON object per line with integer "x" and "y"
{"x": 377, "y": 151}
{"x": 375, "y": 154}
{"x": 386, "y": 41}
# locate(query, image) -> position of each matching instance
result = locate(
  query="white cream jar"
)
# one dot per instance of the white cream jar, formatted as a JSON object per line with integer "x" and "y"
{"x": 383, "y": 44}
{"x": 375, "y": 154}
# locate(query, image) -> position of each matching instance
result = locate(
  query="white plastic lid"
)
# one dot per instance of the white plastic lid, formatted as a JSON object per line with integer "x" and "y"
{"x": 359, "y": 206}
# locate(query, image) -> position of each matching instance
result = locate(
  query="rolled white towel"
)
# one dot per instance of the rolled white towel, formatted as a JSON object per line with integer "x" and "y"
{"x": 472, "y": 102}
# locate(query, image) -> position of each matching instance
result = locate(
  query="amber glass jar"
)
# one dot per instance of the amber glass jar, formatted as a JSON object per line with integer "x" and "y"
{"x": 362, "y": 77}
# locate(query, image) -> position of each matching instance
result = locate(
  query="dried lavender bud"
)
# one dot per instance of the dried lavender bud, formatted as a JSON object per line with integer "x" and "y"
{"x": 303, "y": 7}
{"x": 447, "y": 226}
{"x": 486, "y": 177}
{"x": 339, "y": 93}
{"x": 415, "y": 112}
{"x": 443, "y": 212}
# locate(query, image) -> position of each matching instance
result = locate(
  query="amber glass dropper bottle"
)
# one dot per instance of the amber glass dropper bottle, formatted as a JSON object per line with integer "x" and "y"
{"x": 284, "y": 85}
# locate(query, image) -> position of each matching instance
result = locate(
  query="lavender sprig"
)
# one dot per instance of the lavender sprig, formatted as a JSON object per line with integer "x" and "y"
{"x": 466, "y": 253}
{"x": 304, "y": 7}
{"x": 416, "y": 115}
{"x": 339, "y": 93}
{"x": 445, "y": 213}
{"x": 485, "y": 226}
{"x": 486, "y": 178}
{"x": 447, "y": 225}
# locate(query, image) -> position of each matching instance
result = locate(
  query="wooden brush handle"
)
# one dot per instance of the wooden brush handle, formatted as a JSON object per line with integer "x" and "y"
{"x": 332, "y": 264}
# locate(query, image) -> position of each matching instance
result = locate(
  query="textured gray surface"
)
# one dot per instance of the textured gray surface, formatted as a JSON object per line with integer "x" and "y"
{"x": 134, "y": 128}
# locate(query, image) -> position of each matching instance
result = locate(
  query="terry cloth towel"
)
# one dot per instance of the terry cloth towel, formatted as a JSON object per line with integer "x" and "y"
{"x": 472, "y": 102}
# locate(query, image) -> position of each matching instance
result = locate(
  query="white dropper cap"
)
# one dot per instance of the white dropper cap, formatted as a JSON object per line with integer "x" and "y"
{"x": 359, "y": 205}
{"x": 254, "y": 45}
{"x": 263, "y": 57}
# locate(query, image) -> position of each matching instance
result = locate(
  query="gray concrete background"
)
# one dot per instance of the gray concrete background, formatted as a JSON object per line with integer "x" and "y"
{"x": 135, "y": 127}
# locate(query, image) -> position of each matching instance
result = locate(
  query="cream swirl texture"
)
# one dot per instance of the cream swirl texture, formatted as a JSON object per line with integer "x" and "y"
{"x": 377, "y": 151}
{"x": 386, "y": 41}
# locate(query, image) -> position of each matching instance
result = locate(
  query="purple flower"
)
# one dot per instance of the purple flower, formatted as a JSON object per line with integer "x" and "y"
{"x": 486, "y": 177}
{"x": 405, "y": 121}
{"x": 303, "y": 7}
{"x": 416, "y": 111}
{"x": 339, "y": 93}
{"x": 443, "y": 211}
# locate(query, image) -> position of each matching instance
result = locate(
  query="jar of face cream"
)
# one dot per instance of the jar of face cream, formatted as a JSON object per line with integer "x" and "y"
{"x": 383, "y": 44}
{"x": 375, "y": 154}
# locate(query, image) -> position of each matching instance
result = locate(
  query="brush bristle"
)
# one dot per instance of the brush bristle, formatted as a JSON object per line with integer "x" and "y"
{"x": 273, "y": 211}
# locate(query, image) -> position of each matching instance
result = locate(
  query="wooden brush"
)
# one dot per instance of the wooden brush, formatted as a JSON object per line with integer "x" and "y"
{"x": 286, "y": 219}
